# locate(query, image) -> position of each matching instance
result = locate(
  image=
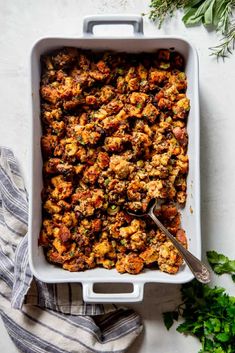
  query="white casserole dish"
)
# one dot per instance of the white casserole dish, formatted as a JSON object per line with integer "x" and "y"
{"x": 190, "y": 214}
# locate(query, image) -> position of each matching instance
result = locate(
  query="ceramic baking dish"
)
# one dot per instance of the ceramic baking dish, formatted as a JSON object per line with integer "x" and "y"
{"x": 190, "y": 214}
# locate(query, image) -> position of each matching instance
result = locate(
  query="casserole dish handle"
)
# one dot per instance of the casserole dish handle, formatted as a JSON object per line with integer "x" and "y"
{"x": 90, "y": 296}
{"x": 90, "y": 21}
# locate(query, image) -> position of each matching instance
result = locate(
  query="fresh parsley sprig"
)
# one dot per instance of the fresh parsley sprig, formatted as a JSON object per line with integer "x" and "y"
{"x": 221, "y": 264}
{"x": 208, "y": 312}
{"x": 216, "y": 14}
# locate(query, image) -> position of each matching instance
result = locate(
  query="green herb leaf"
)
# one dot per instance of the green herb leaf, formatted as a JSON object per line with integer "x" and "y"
{"x": 215, "y": 324}
{"x": 123, "y": 242}
{"x": 227, "y": 43}
{"x": 220, "y": 263}
{"x": 203, "y": 13}
{"x": 189, "y": 14}
{"x": 160, "y": 9}
{"x": 120, "y": 71}
{"x": 80, "y": 140}
{"x": 208, "y": 18}
{"x": 222, "y": 15}
{"x": 208, "y": 315}
{"x": 223, "y": 337}
{"x": 107, "y": 181}
{"x": 169, "y": 318}
{"x": 193, "y": 3}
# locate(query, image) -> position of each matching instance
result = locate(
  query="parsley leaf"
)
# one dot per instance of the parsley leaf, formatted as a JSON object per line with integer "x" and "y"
{"x": 169, "y": 318}
{"x": 208, "y": 312}
{"x": 220, "y": 263}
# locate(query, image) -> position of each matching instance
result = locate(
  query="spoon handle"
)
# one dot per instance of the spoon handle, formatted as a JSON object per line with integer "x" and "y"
{"x": 200, "y": 271}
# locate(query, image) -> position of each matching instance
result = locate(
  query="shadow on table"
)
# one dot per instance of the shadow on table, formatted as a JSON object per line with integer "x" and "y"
{"x": 206, "y": 170}
{"x": 158, "y": 298}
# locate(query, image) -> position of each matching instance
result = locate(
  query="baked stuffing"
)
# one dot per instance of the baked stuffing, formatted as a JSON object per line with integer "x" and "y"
{"x": 114, "y": 137}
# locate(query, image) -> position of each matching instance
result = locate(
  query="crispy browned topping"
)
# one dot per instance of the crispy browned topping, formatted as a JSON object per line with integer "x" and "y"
{"x": 114, "y": 137}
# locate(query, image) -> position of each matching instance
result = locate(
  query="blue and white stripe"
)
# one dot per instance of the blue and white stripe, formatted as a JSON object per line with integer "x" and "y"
{"x": 50, "y": 317}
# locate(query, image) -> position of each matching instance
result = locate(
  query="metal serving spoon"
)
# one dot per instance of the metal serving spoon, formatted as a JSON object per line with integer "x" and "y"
{"x": 200, "y": 271}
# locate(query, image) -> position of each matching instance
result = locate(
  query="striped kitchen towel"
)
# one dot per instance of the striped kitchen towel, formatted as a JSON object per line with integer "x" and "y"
{"x": 50, "y": 317}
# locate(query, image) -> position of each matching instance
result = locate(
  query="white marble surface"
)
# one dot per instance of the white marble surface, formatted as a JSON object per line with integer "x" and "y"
{"x": 22, "y": 22}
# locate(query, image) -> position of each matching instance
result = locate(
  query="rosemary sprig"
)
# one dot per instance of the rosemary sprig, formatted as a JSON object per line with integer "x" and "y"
{"x": 227, "y": 44}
